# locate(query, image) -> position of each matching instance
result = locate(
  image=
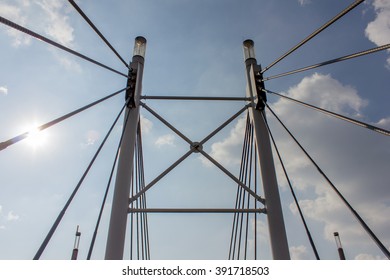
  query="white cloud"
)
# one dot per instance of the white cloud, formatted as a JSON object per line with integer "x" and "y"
{"x": 385, "y": 123}
{"x": 164, "y": 140}
{"x": 304, "y": 2}
{"x": 11, "y": 216}
{"x": 368, "y": 257}
{"x": 226, "y": 150}
{"x": 48, "y": 17}
{"x": 91, "y": 137}
{"x": 362, "y": 156}
{"x": 337, "y": 146}
{"x": 146, "y": 125}
{"x": 3, "y": 90}
{"x": 298, "y": 252}
{"x": 15, "y": 14}
{"x": 378, "y": 31}
{"x": 56, "y": 21}
{"x": 325, "y": 92}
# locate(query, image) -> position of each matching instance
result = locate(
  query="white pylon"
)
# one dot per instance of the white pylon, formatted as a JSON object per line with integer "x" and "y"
{"x": 120, "y": 203}
{"x": 277, "y": 231}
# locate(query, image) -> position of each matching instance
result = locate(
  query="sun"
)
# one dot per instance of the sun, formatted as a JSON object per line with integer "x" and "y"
{"x": 36, "y": 138}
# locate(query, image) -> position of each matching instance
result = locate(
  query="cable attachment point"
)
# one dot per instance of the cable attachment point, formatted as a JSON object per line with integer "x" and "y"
{"x": 131, "y": 84}
{"x": 261, "y": 96}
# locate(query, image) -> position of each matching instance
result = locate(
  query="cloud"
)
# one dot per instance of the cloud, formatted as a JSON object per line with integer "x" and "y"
{"x": 3, "y": 90}
{"x": 378, "y": 31}
{"x": 91, "y": 137}
{"x": 146, "y": 125}
{"x": 11, "y": 216}
{"x": 226, "y": 150}
{"x": 304, "y": 2}
{"x": 49, "y": 17}
{"x": 298, "y": 252}
{"x": 56, "y": 21}
{"x": 355, "y": 159}
{"x": 368, "y": 257}
{"x": 361, "y": 155}
{"x": 15, "y": 14}
{"x": 164, "y": 140}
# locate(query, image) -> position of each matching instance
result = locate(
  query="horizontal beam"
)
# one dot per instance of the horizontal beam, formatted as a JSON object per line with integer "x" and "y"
{"x": 201, "y": 98}
{"x": 194, "y": 210}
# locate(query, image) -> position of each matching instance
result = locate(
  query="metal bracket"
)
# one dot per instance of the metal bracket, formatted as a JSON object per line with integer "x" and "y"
{"x": 131, "y": 84}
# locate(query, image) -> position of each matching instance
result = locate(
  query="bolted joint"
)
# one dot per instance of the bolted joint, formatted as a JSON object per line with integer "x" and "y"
{"x": 197, "y": 147}
{"x": 130, "y": 92}
{"x": 261, "y": 95}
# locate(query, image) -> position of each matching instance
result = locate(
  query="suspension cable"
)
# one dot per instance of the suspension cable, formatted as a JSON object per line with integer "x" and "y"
{"x": 24, "y": 135}
{"x": 55, "y": 44}
{"x": 144, "y": 204}
{"x": 357, "y": 216}
{"x": 239, "y": 240}
{"x": 255, "y": 201}
{"x": 339, "y": 59}
{"x": 309, "y": 236}
{"x": 233, "y": 237}
{"x": 341, "y": 117}
{"x": 86, "y": 18}
{"x": 250, "y": 161}
{"x": 141, "y": 234}
{"x": 315, "y": 33}
{"x": 106, "y": 193}
{"x": 62, "y": 213}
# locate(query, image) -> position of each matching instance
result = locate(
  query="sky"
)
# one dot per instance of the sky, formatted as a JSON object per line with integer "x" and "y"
{"x": 194, "y": 49}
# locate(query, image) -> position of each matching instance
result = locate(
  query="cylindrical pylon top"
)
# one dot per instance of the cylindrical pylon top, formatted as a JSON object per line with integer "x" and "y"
{"x": 139, "y": 46}
{"x": 249, "y": 49}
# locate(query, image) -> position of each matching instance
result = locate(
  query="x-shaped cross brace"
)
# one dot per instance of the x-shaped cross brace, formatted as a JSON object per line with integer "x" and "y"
{"x": 195, "y": 147}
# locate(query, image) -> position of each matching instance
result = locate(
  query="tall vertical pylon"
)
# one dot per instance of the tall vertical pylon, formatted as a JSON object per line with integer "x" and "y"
{"x": 273, "y": 206}
{"x": 120, "y": 203}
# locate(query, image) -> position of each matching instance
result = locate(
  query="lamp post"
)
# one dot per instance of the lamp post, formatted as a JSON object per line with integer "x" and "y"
{"x": 120, "y": 202}
{"x": 277, "y": 231}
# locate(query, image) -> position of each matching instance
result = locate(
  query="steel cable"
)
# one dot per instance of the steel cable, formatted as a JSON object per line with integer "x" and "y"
{"x": 70, "y": 199}
{"x": 24, "y": 135}
{"x": 357, "y": 216}
{"x": 55, "y": 44}
{"x": 92, "y": 244}
{"x": 339, "y": 59}
{"x": 86, "y": 18}
{"x": 293, "y": 193}
{"x": 341, "y": 117}
{"x": 315, "y": 33}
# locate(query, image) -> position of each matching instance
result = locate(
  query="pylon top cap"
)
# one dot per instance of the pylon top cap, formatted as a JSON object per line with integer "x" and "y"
{"x": 139, "y": 46}
{"x": 249, "y": 49}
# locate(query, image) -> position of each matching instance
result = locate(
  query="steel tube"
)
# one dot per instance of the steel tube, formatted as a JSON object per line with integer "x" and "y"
{"x": 120, "y": 203}
{"x": 276, "y": 227}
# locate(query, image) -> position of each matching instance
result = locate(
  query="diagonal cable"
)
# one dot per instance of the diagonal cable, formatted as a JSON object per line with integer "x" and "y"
{"x": 339, "y": 59}
{"x": 315, "y": 33}
{"x": 341, "y": 117}
{"x": 106, "y": 193}
{"x": 69, "y": 201}
{"x": 86, "y": 18}
{"x": 357, "y": 216}
{"x": 24, "y": 135}
{"x": 55, "y": 44}
{"x": 309, "y": 236}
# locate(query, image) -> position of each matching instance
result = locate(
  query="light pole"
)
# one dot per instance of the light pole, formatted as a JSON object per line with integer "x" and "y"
{"x": 120, "y": 202}
{"x": 277, "y": 231}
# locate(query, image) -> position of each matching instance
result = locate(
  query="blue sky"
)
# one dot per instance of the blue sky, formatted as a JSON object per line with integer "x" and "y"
{"x": 194, "y": 48}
